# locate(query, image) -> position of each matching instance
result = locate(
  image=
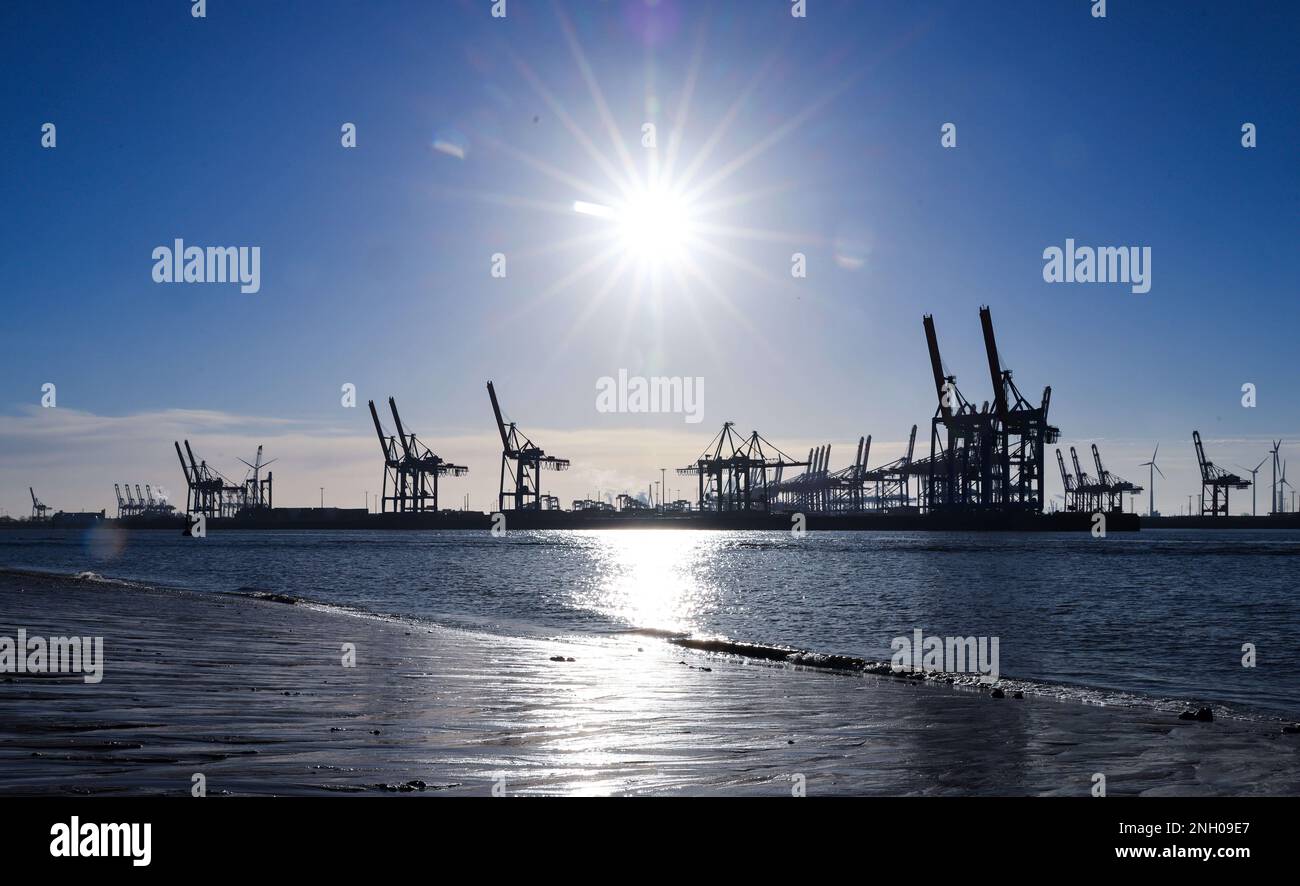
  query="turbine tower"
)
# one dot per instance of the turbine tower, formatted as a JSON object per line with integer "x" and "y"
{"x": 257, "y": 491}
{"x": 1253, "y": 471}
{"x": 1273, "y": 508}
{"x": 1151, "y": 506}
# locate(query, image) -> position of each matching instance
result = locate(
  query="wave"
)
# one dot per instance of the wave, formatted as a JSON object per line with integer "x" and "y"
{"x": 85, "y": 575}
{"x": 1004, "y": 686}
{"x": 269, "y": 596}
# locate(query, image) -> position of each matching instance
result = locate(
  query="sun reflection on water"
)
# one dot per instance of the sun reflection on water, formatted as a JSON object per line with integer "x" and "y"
{"x": 650, "y": 578}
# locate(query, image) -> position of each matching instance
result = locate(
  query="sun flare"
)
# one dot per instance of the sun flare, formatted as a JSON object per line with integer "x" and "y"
{"x": 654, "y": 224}
{"x": 668, "y": 223}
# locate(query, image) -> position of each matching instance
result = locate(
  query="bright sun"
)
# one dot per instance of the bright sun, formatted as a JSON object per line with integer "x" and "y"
{"x": 668, "y": 219}
{"x": 654, "y": 224}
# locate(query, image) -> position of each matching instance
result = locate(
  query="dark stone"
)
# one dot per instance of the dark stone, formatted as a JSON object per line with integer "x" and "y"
{"x": 1017, "y": 694}
{"x": 1205, "y": 715}
{"x": 557, "y": 658}
{"x": 1293, "y": 729}
{"x": 998, "y": 693}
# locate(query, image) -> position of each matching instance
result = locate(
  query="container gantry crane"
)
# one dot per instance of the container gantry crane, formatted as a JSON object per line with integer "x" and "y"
{"x": 1214, "y": 480}
{"x": 522, "y": 463}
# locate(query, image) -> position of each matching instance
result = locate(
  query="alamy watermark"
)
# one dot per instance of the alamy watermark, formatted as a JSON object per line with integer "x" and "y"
{"x": 213, "y": 264}
{"x": 76, "y": 839}
{"x": 55, "y": 655}
{"x": 950, "y": 655}
{"x": 1101, "y": 264}
{"x": 637, "y": 393}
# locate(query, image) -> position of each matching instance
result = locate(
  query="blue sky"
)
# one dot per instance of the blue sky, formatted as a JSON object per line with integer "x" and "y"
{"x": 376, "y": 260}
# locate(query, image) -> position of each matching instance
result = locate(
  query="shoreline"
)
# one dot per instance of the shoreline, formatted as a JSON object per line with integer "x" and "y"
{"x": 252, "y": 693}
{"x": 778, "y": 653}
{"x": 901, "y": 520}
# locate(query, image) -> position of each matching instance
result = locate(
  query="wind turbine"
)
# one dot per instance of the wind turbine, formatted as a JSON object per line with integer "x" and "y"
{"x": 1283, "y": 483}
{"x": 1253, "y": 471}
{"x": 257, "y": 466}
{"x": 1151, "y": 506}
{"x": 1273, "y": 508}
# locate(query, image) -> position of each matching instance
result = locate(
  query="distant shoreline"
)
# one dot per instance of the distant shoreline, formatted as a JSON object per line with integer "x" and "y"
{"x": 315, "y": 518}
{"x": 912, "y": 521}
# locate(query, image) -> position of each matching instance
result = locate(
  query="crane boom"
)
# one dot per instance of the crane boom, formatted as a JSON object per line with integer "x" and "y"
{"x": 1066, "y": 482}
{"x": 379, "y": 431}
{"x": 194, "y": 464}
{"x": 995, "y": 365}
{"x": 496, "y": 410}
{"x": 401, "y": 432}
{"x": 185, "y": 469}
{"x": 936, "y": 366}
{"x": 1102, "y": 476}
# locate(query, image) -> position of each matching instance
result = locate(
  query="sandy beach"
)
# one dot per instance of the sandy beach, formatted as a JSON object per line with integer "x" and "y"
{"x": 254, "y": 695}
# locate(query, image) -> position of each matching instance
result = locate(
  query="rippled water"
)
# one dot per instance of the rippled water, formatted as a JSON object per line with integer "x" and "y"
{"x": 1162, "y": 614}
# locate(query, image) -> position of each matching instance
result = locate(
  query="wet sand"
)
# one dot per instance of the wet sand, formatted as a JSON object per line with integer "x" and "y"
{"x": 253, "y": 694}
